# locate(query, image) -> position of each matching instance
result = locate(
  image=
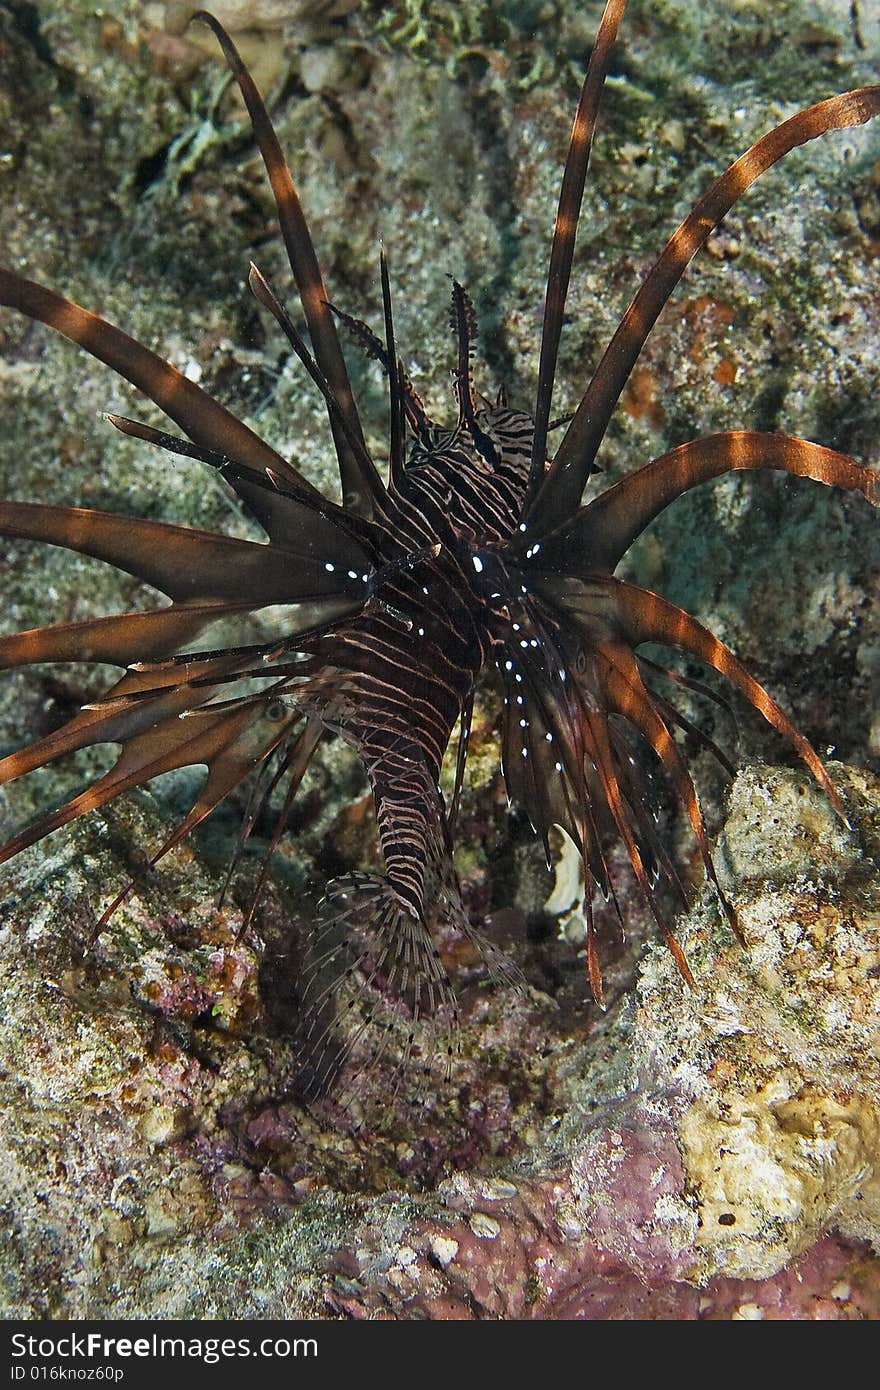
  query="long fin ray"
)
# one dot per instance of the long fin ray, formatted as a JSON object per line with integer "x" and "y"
{"x": 362, "y": 488}
{"x": 565, "y": 229}
{"x": 188, "y": 565}
{"x": 205, "y": 421}
{"x": 560, "y": 492}
{"x": 604, "y": 529}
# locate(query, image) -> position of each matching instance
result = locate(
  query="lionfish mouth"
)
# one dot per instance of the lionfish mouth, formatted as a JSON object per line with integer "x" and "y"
{"x": 471, "y": 549}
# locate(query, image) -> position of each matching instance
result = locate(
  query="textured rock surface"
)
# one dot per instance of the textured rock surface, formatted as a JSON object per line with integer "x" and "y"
{"x": 154, "y": 1163}
{"x": 698, "y": 1147}
{"x": 736, "y": 1125}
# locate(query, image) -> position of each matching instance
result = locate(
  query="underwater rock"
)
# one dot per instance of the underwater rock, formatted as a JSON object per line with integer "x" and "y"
{"x": 701, "y": 1154}
{"x": 739, "y": 1123}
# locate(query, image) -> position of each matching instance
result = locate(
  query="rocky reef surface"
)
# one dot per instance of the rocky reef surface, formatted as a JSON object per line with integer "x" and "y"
{"x": 705, "y": 1154}
{"x": 711, "y": 1153}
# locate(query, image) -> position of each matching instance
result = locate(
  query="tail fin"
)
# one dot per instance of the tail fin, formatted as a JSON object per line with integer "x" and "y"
{"x": 374, "y": 990}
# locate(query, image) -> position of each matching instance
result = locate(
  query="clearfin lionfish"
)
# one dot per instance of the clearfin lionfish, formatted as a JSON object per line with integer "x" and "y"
{"x": 470, "y": 549}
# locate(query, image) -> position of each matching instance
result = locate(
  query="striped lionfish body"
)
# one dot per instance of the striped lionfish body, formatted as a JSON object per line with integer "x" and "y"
{"x": 475, "y": 550}
{"x": 406, "y": 669}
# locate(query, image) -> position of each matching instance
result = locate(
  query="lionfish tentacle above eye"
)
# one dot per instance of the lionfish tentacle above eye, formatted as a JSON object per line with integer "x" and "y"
{"x": 375, "y": 349}
{"x": 462, "y": 321}
{"x": 394, "y": 602}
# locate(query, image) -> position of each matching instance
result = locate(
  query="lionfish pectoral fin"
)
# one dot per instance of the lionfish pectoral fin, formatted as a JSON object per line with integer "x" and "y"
{"x": 549, "y": 764}
{"x": 605, "y": 528}
{"x": 231, "y": 747}
{"x": 191, "y": 566}
{"x": 200, "y": 417}
{"x": 147, "y": 753}
{"x": 674, "y": 717}
{"x": 613, "y": 780}
{"x": 568, "y": 765}
{"x": 138, "y": 702}
{"x": 116, "y": 641}
{"x": 293, "y": 768}
{"x": 627, "y": 696}
{"x": 600, "y": 602}
{"x": 372, "y": 983}
{"x": 646, "y": 617}
{"x": 559, "y": 494}
{"x": 699, "y": 688}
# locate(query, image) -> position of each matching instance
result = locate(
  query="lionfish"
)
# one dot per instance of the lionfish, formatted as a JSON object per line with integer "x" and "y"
{"x": 473, "y": 549}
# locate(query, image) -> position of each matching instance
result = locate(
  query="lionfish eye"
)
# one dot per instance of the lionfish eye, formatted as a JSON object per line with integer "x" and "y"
{"x": 486, "y": 448}
{"x": 275, "y": 711}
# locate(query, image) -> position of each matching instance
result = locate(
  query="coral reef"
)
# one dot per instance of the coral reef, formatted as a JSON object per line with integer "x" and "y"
{"x": 688, "y": 1155}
